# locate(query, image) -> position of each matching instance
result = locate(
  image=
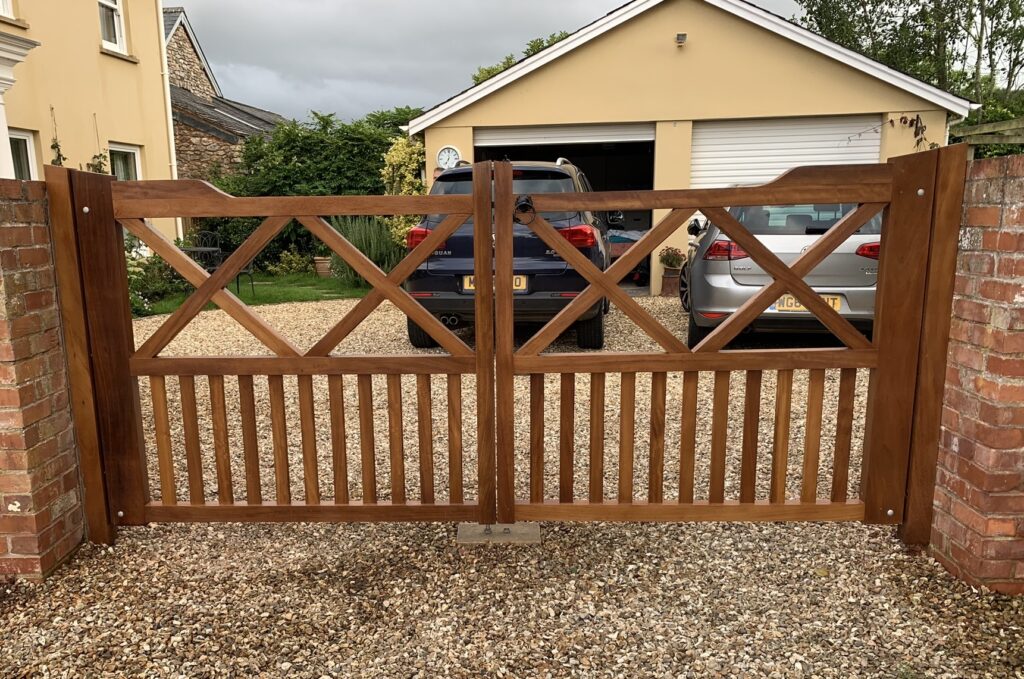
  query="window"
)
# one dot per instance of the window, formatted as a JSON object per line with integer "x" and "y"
{"x": 125, "y": 162}
{"x": 23, "y": 150}
{"x": 7, "y": 8}
{"x": 112, "y": 25}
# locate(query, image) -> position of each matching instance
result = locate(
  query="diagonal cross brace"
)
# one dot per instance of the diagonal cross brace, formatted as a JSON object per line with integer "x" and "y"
{"x": 608, "y": 282}
{"x": 788, "y": 278}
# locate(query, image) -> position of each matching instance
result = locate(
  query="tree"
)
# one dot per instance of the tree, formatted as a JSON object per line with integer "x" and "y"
{"x": 394, "y": 119}
{"x": 532, "y": 47}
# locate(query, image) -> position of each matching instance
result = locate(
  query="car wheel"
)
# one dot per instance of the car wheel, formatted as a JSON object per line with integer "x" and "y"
{"x": 695, "y": 334}
{"x": 684, "y": 288}
{"x": 419, "y": 338}
{"x": 590, "y": 333}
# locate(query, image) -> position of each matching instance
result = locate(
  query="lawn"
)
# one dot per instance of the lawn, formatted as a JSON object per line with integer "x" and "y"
{"x": 267, "y": 289}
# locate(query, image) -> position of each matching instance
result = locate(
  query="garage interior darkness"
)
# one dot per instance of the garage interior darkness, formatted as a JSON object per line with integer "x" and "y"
{"x": 610, "y": 166}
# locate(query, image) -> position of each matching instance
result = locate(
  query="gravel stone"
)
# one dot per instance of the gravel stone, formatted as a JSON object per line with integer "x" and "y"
{"x": 382, "y": 600}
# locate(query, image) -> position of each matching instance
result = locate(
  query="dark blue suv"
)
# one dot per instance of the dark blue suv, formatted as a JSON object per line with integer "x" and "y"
{"x": 543, "y": 283}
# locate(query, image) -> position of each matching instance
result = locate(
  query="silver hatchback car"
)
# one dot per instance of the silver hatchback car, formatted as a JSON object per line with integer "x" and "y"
{"x": 719, "y": 276}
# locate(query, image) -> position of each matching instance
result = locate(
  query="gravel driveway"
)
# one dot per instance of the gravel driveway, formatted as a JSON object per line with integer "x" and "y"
{"x": 836, "y": 600}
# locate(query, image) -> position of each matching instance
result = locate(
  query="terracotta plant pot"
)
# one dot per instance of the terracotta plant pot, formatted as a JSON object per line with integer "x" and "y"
{"x": 670, "y": 282}
{"x": 323, "y": 266}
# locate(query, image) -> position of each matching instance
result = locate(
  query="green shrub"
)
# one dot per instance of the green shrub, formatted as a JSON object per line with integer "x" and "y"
{"x": 371, "y": 236}
{"x": 150, "y": 278}
{"x": 291, "y": 262}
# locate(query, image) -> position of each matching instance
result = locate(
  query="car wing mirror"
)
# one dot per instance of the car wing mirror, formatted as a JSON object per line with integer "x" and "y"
{"x": 616, "y": 218}
{"x": 694, "y": 228}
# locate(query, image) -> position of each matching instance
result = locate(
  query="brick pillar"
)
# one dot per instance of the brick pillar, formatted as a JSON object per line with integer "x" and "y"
{"x": 41, "y": 518}
{"x": 978, "y": 530}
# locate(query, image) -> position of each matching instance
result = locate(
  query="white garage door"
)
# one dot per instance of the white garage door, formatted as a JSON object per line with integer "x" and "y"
{"x": 731, "y": 152}
{"x": 562, "y": 134}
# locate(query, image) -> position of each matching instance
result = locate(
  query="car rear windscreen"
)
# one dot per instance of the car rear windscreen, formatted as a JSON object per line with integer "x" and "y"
{"x": 525, "y": 181}
{"x": 794, "y": 220}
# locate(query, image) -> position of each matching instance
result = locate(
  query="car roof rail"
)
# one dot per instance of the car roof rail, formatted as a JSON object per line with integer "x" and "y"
{"x": 562, "y": 161}
{"x": 463, "y": 163}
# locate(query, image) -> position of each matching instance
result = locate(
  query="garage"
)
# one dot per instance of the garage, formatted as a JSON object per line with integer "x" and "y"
{"x": 680, "y": 94}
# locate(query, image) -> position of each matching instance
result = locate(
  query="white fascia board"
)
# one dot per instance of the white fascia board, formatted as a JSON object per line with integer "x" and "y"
{"x": 739, "y": 8}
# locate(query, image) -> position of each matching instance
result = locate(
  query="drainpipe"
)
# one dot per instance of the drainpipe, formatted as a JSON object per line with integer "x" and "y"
{"x": 165, "y": 78}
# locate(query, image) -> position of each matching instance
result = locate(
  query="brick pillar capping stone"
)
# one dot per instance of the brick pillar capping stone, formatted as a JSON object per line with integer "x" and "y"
{"x": 41, "y": 517}
{"x": 978, "y": 527}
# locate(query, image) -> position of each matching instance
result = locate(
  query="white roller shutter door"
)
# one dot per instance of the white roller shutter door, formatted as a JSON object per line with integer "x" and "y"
{"x": 741, "y": 152}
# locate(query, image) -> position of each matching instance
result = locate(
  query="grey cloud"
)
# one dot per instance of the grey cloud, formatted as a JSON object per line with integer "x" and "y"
{"x": 354, "y": 56}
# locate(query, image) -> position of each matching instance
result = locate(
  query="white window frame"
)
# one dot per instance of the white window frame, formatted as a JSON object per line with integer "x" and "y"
{"x": 126, "y": 148}
{"x": 30, "y": 138}
{"x": 122, "y": 43}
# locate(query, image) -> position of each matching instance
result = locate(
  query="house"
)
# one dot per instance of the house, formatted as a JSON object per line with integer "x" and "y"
{"x": 84, "y": 80}
{"x": 209, "y": 130}
{"x": 671, "y": 94}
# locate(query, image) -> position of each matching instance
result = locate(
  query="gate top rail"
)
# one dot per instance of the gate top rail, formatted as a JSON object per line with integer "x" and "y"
{"x": 193, "y": 198}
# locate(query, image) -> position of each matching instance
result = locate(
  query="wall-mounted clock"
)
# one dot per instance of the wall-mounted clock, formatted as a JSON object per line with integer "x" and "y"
{"x": 448, "y": 157}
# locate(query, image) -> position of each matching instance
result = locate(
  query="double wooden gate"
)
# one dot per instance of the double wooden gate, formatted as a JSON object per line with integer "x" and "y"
{"x": 505, "y": 469}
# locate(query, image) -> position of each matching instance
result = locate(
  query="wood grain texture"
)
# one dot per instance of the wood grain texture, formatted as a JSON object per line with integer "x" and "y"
{"x": 780, "y": 444}
{"x": 329, "y": 365}
{"x": 483, "y": 309}
{"x": 250, "y": 442}
{"x": 746, "y": 359}
{"x": 367, "y": 442}
{"x": 537, "y": 410}
{"x": 656, "y": 467}
{"x": 221, "y": 450}
{"x": 812, "y": 435}
{"x": 751, "y": 435}
{"x": 455, "y": 471}
{"x": 688, "y": 436}
{"x": 597, "y": 386}
{"x": 504, "y": 329}
{"x": 190, "y": 431}
{"x": 844, "y": 433}
{"x": 396, "y": 439}
{"x": 627, "y": 436}
{"x": 696, "y": 511}
{"x": 425, "y": 429}
{"x": 270, "y": 512}
{"x": 719, "y": 437}
{"x": 279, "y": 437}
{"x": 566, "y": 436}
{"x": 339, "y": 449}
{"x": 307, "y": 424}
{"x": 162, "y": 432}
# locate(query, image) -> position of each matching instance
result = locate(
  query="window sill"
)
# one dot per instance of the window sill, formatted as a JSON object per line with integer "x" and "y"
{"x": 11, "y": 21}
{"x": 119, "y": 55}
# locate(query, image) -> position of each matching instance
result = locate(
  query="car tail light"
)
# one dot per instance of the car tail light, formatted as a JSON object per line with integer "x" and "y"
{"x": 725, "y": 250}
{"x": 581, "y": 236}
{"x": 416, "y": 236}
{"x": 869, "y": 250}
{"x": 713, "y": 315}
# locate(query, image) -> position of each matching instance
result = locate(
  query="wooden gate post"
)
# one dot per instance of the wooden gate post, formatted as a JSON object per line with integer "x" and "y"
{"x": 947, "y": 209}
{"x": 104, "y": 286}
{"x": 100, "y": 526}
{"x": 504, "y": 205}
{"x": 899, "y": 309}
{"x": 483, "y": 273}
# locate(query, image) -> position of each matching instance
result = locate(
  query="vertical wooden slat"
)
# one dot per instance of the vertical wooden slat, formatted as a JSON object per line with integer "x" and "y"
{"x": 688, "y": 436}
{"x": 719, "y": 437}
{"x": 190, "y": 429}
{"x": 931, "y": 371}
{"x": 307, "y": 421}
{"x": 221, "y": 452}
{"x": 844, "y": 433}
{"x": 597, "y": 382}
{"x": 425, "y": 426}
{"x": 780, "y": 445}
{"x": 396, "y": 439}
{"x": 537, "y": 438}
{"x": 339, "y": 445}
{"x": 812, "y": 435}
{"x": 627, "y": 436}
{"x": 899, "y": 304}
{"x": 483, "y": 307}
{"x": 99, "y": 521}
{"x": 367, "y": 445}
{"x": 161, "y": 421}
{"x": 751, "y": 433}
{"x": 250, "y": 442}
{"x": 455, "y": 439}
{"x": 566, "y": 436}
{"x": 656, "y": 474}
{"x": 504, "y": 201}
{"x": 279, "y": 434}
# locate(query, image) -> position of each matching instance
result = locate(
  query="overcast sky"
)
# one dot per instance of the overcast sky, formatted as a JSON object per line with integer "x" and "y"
{"x": 354, "y": 56}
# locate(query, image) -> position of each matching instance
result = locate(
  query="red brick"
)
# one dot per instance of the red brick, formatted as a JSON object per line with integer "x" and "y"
{"x": 1013, "y": 217}
{"x": 988, "y": 168}
{"x": 21, "y": 565}
{"x": 1008, "y": 367}
{"x": 995, "y": 390}
{"x": 35, "y": 190}
{"x": 12, "y": 189}
{"x": 983, "y": 216}
{"x": 983, "y": 263}
{"x": 1014, "y": 165}
{"x": 971, "y": 310}
{"x": 1001, "y": 290}
{"x": 995, "y": 437}
{"x": 29, "y": 213}
{"x": 38, "y": 300}
{"x": 998, "y": 503}
{"x": 11, "y": 236}
{"x": 985, "y": 192}
{"x": 967, "y": 356}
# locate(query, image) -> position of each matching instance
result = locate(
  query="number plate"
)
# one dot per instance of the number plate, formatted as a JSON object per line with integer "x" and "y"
{"x": 518, "y": 283}
{"x": 789, "y": 303}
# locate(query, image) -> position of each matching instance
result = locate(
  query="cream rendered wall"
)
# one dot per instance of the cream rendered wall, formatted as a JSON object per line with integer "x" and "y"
{"x": 673, "y": 141}
{"x": 93, "y": 94}
{"x": 436, "y": 138}
{"x": 899, "y": 140}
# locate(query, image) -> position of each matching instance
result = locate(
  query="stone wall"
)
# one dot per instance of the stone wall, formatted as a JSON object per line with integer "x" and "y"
{"x": 41, "y": 519}
{"x": 185, "y": 67}
{"x": 978, "y": 529}
{"x": 199, "y": 152}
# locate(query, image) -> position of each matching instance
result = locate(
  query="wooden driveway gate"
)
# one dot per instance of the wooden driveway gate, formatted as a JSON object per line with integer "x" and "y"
{"x": 919, "y": 197}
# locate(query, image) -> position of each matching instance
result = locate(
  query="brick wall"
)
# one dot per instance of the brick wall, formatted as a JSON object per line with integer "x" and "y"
{"x": 978, "y": 530}
{"x": 41, "y": 518}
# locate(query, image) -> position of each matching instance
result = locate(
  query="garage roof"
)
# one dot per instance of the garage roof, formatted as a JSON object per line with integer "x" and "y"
{"x": 738, "y": 8}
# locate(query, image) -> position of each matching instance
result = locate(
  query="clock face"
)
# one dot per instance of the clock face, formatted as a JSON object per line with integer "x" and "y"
{"x": 448, "y": 157}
